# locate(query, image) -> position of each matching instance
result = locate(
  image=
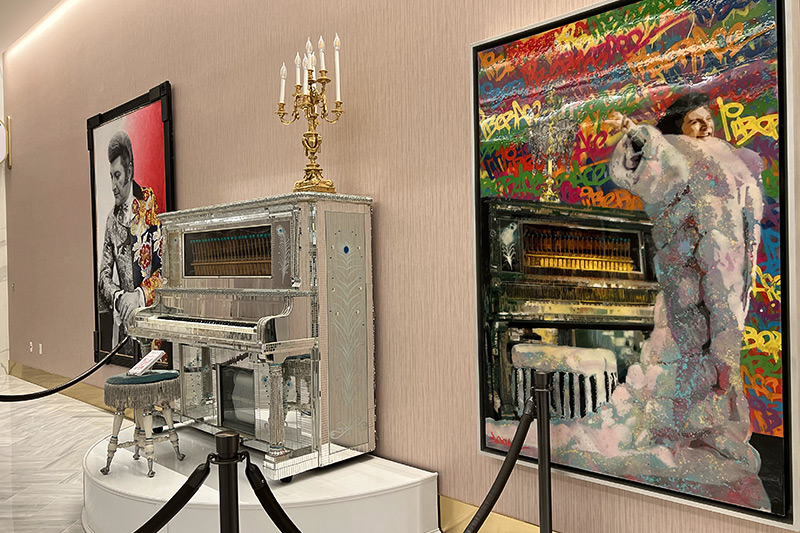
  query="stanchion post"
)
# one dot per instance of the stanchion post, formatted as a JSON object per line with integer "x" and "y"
{"x": 228, "y": 463}
{"x": 541, "y": 384}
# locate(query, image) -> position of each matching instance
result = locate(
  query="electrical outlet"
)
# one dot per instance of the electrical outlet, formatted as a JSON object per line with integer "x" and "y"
{"x": 30, "y": 346}
{"x": 40, "y": 348}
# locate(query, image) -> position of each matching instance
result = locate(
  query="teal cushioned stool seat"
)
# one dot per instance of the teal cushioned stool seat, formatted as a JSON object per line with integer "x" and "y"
{"x": 149, "y": 377}
{"x": 142, "y": 394}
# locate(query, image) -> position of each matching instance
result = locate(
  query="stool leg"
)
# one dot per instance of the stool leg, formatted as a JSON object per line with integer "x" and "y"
{"x": 173, "y": 435}
{"x": 112, "y": 444}
{"x": 137, "y": 433}
{"x": 147, "y": 418}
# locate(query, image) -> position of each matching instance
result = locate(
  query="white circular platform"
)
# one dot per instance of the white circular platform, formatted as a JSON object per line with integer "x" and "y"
{"x": 362, "y": 494}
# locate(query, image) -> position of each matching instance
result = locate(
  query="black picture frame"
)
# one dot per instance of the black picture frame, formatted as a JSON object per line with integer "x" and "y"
{"x": 493, "y": 184}
{"x": 146, "y": 119}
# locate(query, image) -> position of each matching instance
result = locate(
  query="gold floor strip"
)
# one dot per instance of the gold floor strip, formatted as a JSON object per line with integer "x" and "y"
{"x": 80, "y": 391}
{"x": 456, "y": 515}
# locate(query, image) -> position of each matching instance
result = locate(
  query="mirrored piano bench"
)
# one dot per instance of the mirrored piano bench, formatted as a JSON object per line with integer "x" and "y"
{"x": 142, "y": 394}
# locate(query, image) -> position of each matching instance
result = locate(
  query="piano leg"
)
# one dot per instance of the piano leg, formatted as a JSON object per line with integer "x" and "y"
{"x": 276, "y": 414}
{"x": 112, "y": 443}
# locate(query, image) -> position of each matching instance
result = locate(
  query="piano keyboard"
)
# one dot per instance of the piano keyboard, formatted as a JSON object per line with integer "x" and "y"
{"x": 216, "y": 325}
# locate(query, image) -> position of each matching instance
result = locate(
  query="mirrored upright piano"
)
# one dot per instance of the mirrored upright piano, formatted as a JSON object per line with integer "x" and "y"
{"x": 269, "y": 306}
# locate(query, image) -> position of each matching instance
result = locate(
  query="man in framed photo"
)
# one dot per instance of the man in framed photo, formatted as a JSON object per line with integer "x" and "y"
{"x": 130, "y": 264}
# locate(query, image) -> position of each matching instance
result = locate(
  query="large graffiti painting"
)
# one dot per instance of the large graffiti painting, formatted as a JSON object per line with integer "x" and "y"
{"x": 674, "y": 110}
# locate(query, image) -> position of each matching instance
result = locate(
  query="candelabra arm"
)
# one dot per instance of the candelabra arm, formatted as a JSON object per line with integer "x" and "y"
{"x": 281, "y": 112}
{"x": 336, "y": 111}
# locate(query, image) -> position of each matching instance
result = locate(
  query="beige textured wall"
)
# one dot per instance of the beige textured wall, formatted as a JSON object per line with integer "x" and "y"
{"x": 4, "y": 346}
{"x": 405, "y": 140}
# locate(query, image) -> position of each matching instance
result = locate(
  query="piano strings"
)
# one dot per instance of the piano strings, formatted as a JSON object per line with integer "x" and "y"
{"x": 578, "y": 250}
{"x": 224, "y": 254}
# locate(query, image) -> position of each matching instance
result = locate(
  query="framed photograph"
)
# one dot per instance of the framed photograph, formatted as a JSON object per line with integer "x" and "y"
{"x": 629, "y": 179}
{"x": 131, "y": 157}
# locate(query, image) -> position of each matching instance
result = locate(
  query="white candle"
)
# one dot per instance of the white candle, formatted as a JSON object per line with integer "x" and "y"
{"x": 321, "y": 45}
{"x": 283, "y": 83}
{"x": 313, "y": 66}
{"x": 297, "y": 69}
{"x": 305, "y": 77}
{"x": 337, "y": 43}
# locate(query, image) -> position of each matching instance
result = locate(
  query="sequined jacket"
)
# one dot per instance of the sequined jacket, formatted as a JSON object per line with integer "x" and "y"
{"x": 135, "y": 250}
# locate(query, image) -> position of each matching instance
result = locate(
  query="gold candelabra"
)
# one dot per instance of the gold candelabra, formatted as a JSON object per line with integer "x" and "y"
{"x": 310, "y": 98}
{"x": 550, "y": 195}
{"x": 552, "y": 137}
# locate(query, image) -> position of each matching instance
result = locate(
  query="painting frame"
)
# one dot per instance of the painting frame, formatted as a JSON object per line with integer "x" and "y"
{"x": 146, "y": 121}
{"x": 484, "y": 235}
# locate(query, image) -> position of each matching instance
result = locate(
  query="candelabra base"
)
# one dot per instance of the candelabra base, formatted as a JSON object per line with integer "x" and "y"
{"x": 549, "y": 195}
{"x": 314, "y": 182}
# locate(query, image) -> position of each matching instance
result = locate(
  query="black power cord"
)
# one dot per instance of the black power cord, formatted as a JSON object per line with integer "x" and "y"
{"x": 48, "y": 392}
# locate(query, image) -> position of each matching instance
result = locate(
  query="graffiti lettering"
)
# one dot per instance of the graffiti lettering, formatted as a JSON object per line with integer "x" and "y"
{"x": 590, "y": 176}
{"x": 510, "y": 120}
{"x": 723, "y": 40}
{"x": 699, "y": 52}
{"x": 492, "y": 166}
{"x": 744, "y": 128}
{"x": 772, "y": 215}
{"x": 595, "y": 197}
{"x": 771, "y": 244}
{"x": 767, "y": 387}
{"x": 591, "y": 54}
{"x": 516, "y": 159}
{"x": 628, "y": 100}
{"x": 492, "y": 96}
{"x": 766, "y": 284}
{"x": 762, "y": 364}
{"x": 521, "y": 183}
{"x": 768, "y": 342}
{"x": 763, "y": 318}
{"x": 707, "y": 11}
{"x": 590, "y": 145}
{"x": 495, "y": 66}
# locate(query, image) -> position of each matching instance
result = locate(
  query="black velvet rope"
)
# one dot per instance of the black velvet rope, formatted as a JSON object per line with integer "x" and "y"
{"x": 178, "y": 500}
{"x": 267, "y": 499}
{"x": 48, "y": 392}
{"x": 505, "y": 471}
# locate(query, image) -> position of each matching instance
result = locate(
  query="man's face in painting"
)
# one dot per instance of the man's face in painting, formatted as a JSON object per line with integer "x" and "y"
{"x": 120, "y": 181}
{"x": 698, "y": 123}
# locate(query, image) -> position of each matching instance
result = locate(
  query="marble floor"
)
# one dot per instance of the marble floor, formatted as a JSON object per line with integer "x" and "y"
{"x": 42, "y": 444}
